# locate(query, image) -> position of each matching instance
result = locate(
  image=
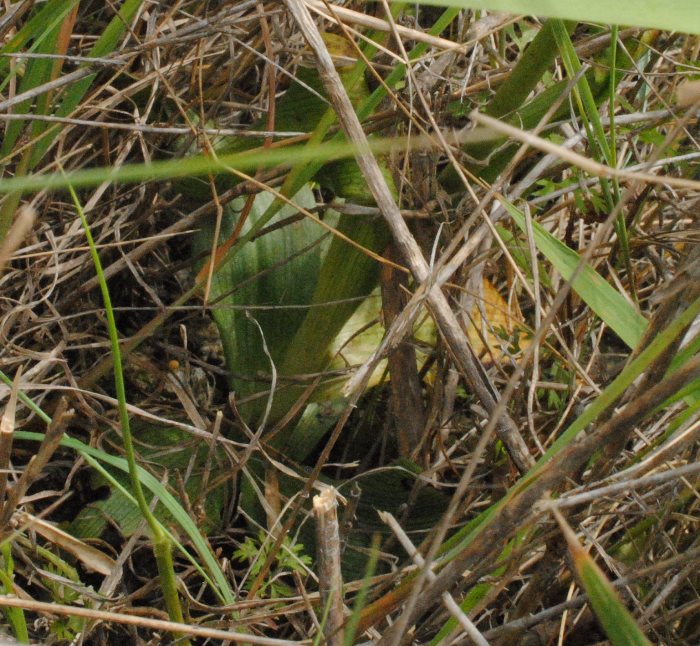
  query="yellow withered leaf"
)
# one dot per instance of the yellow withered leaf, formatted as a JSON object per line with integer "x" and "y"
{"x": 496, "y": 328}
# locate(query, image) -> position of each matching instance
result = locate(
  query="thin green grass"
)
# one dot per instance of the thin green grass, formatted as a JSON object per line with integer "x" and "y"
{"x": 15, "y": 616}
{"x": 162, "y": 547}
{"x": 614, "y": 617}
{"x": 682, "y": 15}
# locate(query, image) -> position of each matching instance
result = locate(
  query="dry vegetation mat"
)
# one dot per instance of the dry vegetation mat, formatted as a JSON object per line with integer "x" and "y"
{"x": 347, "y": 322}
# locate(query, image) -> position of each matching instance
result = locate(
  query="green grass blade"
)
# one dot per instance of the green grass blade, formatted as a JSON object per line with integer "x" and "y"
{"x": 361, "y": 597}
{"x": 115, "y": 484}
{"x": 613, "y": 308}
{"x": 105, "y": 45}
{"x": 162, "y": 548}
{"x": 38, "y": 71}
{"x": 679, "y": 15}
{"x": 196, "y": 165}
{"x": 26, "y": 400}
{"x": 151, "y": 483}
{"x": 616, "y": 621}
{"x": 587, "y": 108}
{"x": 602, "y": 149}
{"x": 35, "y": 29}
{"x": 15, "y": 616}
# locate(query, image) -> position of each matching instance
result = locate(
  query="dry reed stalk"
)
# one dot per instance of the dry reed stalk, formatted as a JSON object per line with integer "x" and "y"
{"x": 31, "y": 472}
{"x": 330, "y": 577}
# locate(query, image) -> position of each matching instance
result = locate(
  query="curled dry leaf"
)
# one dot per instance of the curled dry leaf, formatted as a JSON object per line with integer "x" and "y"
{"x": 497, "y": 327}
{"x": 89, "y": 556}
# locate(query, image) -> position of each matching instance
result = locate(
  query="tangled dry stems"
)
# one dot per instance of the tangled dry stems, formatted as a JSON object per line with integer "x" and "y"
{"x": 213, "y": 61}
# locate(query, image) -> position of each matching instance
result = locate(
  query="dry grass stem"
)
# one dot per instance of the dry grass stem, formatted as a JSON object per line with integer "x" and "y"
{"x": 330, "y": 577}
{"x": 582, "y": 162}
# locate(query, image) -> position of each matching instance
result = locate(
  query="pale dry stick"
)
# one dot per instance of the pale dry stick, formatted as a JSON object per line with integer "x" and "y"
{"x": 152, "y": 129}
{"x": 72, "y": 77}
{"x": 674, "y": 444}
{"x": 13, "y": 13}
{"x": 7, "y": 431}
{"x": 330, "y": 577}
{"x": 584, "y": 163}
{"x": 110, "y": 583}
{"x": 592, "y": 181}
{"x": 174, "y": 385}
{"x": 52, "y": 439}
{"x": 143, "y": 622}
{"x": 407, "y": 245}
{"x": 108, "y": 62}
{"x": 534, "y": 268}
{"x": 451, "y": 605}
{"x": 574, "y": 499}
{"x": 301, "y": 586}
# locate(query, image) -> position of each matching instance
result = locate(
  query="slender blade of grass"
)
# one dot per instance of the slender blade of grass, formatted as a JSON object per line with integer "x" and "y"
{"x": 677, "y": 15}
{"x": 617, "y": 622}
{"x": 613, "y": 308}
{"x": 153, "y": 485}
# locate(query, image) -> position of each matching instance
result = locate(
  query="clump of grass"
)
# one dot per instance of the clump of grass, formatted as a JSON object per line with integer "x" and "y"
{"x": 596, "y": 282}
